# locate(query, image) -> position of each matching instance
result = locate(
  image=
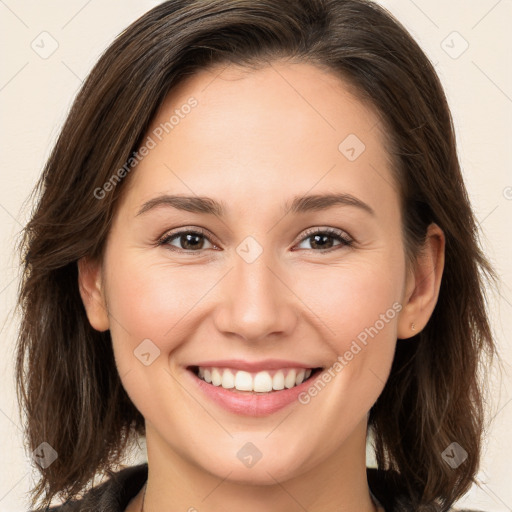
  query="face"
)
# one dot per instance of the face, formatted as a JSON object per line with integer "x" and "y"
{"x": 256, "y": 293}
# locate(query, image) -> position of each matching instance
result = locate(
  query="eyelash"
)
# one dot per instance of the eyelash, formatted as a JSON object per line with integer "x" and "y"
{"x": 339, "y": 235}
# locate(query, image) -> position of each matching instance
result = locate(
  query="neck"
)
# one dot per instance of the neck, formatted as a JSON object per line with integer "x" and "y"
{"x": 338, "y": 483}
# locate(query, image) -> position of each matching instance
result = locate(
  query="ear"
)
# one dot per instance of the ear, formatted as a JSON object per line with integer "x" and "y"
{"x": 423, "y": 284}
{"x": 90, "y": 284}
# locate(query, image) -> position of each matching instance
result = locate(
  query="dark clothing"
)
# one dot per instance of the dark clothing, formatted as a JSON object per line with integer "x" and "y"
{"x": 114, "y": 494}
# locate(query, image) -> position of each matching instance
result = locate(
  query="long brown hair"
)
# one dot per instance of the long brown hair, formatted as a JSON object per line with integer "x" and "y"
{"x": 67, "y": 382}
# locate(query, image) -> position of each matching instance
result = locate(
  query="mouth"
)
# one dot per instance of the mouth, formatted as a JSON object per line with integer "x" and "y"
{"x": 254, "y": 383}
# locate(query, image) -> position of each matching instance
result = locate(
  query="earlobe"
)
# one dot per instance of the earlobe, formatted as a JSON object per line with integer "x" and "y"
{"x": 423, "y": 285}
{"x": 90, "y": 284}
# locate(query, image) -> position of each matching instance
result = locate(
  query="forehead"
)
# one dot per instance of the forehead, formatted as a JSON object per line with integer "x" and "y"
{"x": 256, "y": 134}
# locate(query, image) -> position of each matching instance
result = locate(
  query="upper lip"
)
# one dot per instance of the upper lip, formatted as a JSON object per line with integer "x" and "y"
{"x": 255, "y": 366}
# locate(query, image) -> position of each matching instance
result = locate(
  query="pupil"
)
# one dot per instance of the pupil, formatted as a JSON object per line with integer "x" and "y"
{"x": 317, "y": 238}
{"x": 189, "y": 238}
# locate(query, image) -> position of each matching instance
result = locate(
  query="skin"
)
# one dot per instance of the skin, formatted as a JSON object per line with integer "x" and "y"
{"x": 256, "y": 139}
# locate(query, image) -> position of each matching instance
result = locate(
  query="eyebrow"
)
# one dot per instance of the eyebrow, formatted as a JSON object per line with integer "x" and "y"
{"x": 298, "y": 204}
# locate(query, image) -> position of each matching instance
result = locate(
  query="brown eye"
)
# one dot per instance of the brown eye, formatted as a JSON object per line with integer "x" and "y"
{"x": 322, "y": 239}
{"x": 191, "y": 241}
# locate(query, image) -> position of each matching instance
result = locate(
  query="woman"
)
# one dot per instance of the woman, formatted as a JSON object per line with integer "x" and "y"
{"x": 254, "y": 247}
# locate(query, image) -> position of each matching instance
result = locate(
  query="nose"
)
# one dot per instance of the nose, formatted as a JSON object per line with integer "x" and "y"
{"x": 256, "y": 301}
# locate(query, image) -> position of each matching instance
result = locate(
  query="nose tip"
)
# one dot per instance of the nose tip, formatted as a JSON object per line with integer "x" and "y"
{"x": 255, "y": 303}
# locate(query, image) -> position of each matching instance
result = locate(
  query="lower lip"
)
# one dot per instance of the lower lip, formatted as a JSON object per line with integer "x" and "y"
{"x": 251, "y": 404}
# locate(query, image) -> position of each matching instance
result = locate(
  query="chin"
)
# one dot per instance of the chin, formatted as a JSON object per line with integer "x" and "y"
{"x": 246, "y": 465}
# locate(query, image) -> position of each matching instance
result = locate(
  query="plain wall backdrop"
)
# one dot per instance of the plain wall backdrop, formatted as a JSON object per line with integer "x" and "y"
{"x": 49, "y": 48}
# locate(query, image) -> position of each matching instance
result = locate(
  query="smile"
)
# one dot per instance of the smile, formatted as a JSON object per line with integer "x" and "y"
{"x": 251, "y": 391}
{"x": 260, "y": 382}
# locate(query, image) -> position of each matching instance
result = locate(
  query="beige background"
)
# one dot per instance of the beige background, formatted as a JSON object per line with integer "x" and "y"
{"x": 36, "y": 93}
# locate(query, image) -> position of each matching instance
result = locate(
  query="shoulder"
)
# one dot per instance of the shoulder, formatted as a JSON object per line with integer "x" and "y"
{"x": 112, "y": 495}
{"x": 389, "y": 489}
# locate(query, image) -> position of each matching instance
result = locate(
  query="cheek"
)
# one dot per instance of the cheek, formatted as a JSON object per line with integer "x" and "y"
{"x": 351, "y": 298}
{"x": 152, "y": 301}
{"x": 358, "y": 308}
{"x": 150, "y": 306}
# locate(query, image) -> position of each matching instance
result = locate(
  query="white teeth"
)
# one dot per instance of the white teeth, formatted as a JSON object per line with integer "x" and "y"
{"x": 228, "y": 380}
{"x": 216, "y": 377}
{"x": 289, "y": 381}
{"x": 278, "y": 381}
{"x": 243, "y": 381}
{"x": 260, "y": 382}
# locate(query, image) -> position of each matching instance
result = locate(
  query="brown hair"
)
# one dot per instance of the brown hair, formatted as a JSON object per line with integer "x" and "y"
{"x": 67, "y": 380}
